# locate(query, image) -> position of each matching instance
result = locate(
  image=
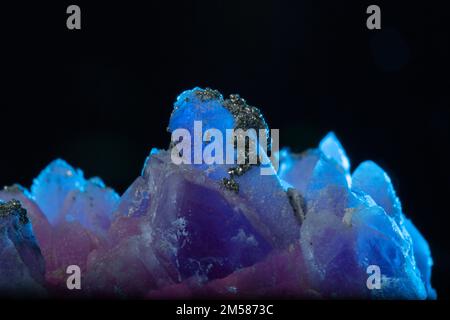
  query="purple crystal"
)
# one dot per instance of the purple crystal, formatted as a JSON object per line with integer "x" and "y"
{"x": 204, "y": 239}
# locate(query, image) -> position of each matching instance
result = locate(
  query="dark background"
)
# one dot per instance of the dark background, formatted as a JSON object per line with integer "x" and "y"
{"x": 101, "y": 97}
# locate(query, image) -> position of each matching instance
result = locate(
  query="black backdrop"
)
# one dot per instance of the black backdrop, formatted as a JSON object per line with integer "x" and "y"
{"x": 100, "y": 97}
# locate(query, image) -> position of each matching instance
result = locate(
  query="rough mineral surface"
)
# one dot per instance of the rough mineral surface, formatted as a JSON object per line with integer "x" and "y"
{"x": 21, "y": 264}
{"x": 313, "y": 230}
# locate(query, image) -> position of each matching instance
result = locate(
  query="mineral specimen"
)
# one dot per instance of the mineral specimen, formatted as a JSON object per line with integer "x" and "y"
{"x": 312, "y": 230}
{"x": 21, "y": 263}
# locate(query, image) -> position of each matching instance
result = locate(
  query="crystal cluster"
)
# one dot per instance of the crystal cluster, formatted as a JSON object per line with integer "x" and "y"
{"x": 190, "y": 231}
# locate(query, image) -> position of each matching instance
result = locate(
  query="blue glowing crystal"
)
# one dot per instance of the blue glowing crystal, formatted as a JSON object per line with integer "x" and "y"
{"x": 200, "y": 105}
{"x": 332, "y": 148}
{"x": 422, "y": 255}
{"x": 50, "y": 188}
{"x": 63, "y": 193}
{"x": 354, "y": 223}
{"x": 372, "y": 180}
